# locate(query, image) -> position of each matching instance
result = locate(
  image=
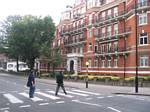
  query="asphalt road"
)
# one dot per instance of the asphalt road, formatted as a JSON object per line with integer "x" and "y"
{"x": 14, "y": 98}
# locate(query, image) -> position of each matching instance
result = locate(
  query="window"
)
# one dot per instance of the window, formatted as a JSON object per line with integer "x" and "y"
{"x": 90, "y": 47}
{"x": 115, "y": 62}
{"x": 115, "y": 46}
{"x": 109, "y": 64}
{"x": 81, "y": 50}
{"x": 96, "y": 62}
{"x": 90, "y": 33}
{"x": 103, "y": 16}
{"x": 108, "y": 31}
{"x": 115, "y": 11}
{"x": 96, "y": 48}
{"x": 102, "y": 49}
{"x": 90, "y": 62}
{"x": 109, "y": 14}
{"x": 143, "y": 39}
{"x": 142, "y": 3}
{"x": 144, "y": 61}
{"x": 103, "y": 32}
{"x": 109, "y": 48}
{"x": 95, "y": 32}
{"x": 143, "y": 19}
{"x": 103, "y": 63}
{"x": 90, "y": 19}
{"x": 115, "y": 29}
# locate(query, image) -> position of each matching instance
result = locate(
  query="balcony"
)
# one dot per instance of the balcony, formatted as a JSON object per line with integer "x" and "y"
{"x": 114, "y": 51}
{"x": 74, "y": 55}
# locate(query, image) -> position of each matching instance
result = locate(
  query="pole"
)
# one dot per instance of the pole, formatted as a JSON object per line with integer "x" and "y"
{"x": 87, "y": 77}
{"x": 136, "y": 76}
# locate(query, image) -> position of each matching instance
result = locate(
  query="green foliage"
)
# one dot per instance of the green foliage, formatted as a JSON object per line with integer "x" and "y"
{"x": 27, "y": 36}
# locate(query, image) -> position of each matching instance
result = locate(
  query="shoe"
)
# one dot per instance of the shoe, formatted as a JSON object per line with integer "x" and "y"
{"x": 65, "y": 93}
{"x": 56, "y": 94}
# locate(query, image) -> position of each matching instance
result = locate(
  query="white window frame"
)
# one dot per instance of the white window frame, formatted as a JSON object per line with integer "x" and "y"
{"x": 143, "y": 37}
{"x": 144, "y": 61}
{"x": 143, "y": 19}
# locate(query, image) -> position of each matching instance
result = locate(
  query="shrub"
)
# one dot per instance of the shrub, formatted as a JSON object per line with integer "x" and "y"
{"x": 115, "y": 78}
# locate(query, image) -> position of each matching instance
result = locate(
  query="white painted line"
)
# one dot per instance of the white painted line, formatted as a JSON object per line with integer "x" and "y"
{"x": 120, "y": 95}
{"x": 62, "y": 94}
{"x": 100, "y": 97}
{"x": 48, "y": 95}
{"x": 109, "y": 96}
{"x": 24, "y": 106}
{"x": 114, "y": 109}
{"x": 6, "y": 111}
{"x": 35, "y": 99}
{"x": 7, "y": 108}
{"x": 43, "y": 103}
{"x": 80, "y": 94}
{"x": 60, "y": 102}
{"x": 87, "y": 92}
{"x": 12, "y": 98}
{"x": 92, "y": 104}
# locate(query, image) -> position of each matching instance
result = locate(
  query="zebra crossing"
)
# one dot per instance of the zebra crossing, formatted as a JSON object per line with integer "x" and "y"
{"x": 47, "y": 95}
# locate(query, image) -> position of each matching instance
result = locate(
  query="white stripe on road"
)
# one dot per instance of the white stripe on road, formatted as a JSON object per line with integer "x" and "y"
{"x": 48, "y": 95}
{"x": 80, "y": 94}
{"x": 109, "y": 96}
{"x": 12, "y": 98}
{"x": 35, "y": 99}
{"x": 87, "y": 92}
{"x": 60, "y": 102}
{"x": 114, "y": 109}
{"x": 24, "y": 106}
{"x": 7, "y": 108}
{"x": 100, "y": 97}
{"x": 69, "y": 96}
{"x": 92, "y": 104}
{"x": 43, "y": 103}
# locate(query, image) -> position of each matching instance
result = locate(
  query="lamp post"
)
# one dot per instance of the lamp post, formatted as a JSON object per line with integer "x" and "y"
{"x": 86, "y": 80}
{"x": 136, "y": 33}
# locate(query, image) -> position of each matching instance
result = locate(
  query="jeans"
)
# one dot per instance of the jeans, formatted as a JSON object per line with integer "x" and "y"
{"x": 31, "y": 91}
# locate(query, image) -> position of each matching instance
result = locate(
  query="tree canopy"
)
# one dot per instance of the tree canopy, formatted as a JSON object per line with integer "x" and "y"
{"x": 27, "y": 35}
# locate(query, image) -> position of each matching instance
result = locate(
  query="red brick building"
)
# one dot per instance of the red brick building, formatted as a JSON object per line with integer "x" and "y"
{"x": 109, "y": 34}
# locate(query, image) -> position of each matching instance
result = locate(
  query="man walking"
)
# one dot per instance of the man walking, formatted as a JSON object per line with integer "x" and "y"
{"x": 59, "y": 81}
{"x": 31, "y": 84}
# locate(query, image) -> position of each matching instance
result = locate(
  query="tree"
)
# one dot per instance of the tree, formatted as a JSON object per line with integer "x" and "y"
{"x": 28, "y": 35}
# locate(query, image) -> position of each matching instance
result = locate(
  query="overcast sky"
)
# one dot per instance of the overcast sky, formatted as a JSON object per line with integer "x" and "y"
{"x": 34, "y": 7}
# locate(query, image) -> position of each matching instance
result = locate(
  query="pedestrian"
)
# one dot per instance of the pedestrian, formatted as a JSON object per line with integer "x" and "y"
{"x": 31, "y": 84}
{"x": 59, "y": 81}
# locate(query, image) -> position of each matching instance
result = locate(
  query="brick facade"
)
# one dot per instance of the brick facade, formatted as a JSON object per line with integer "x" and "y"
{"x": 105, "y": 35}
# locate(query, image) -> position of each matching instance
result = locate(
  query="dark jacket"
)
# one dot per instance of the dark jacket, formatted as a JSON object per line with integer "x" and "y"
{"x": 31, "y": 80}
{"x": 59, "y": 78}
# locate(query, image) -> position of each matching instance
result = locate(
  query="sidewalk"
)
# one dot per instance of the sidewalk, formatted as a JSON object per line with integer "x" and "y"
{"x": 142, "y": 91}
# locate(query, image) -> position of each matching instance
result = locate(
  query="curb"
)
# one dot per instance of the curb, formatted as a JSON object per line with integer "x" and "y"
{"x": 138, "y": 94}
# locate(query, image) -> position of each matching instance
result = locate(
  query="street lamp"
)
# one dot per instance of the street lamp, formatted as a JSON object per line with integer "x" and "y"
{"x": 86, "y": 80}
{"x": 136, "y": 33}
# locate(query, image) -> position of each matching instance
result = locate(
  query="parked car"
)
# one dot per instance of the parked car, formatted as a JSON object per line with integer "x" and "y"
{"x": 12, "y": 66}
